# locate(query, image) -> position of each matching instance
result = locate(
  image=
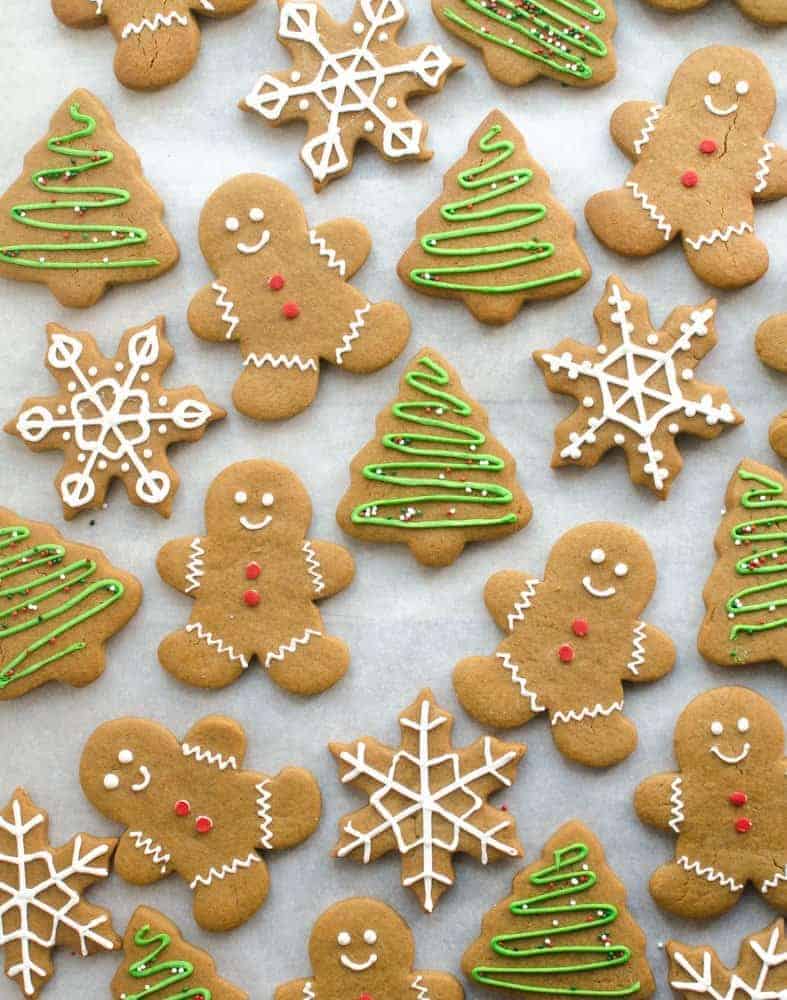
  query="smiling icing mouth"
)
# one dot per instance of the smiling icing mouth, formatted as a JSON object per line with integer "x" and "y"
{"x": 732, "y": 760}
{"x": 358, "y": 966}
{"x": 258, "y": 526}
{"x": 256, "y": 247}
{"x": 721, "y": 112}
{"x": 144, "y": 780}
{"x": 587, "y": 583}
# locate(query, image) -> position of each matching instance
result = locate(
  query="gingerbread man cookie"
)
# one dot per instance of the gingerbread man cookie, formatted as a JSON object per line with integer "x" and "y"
{"x": 363, "y": 948}
{"x": 158, "y": 40}
{"x": 572, "y": 640}
{"x": 727, "y": 805}
{"x": 769, "y": 12}
{"x": 255, "y": 578}
{"x": 282, "y": 292}
{"x": 771, "y": 342}
{"x": 189, "y": 808}
{"x": 701, "y": 161}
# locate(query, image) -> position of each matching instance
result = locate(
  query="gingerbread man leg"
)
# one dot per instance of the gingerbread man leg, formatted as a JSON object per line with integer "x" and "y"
{"x": 678, "y": 888}
{"x": 771, "y": 881}
{"x": 377, "y": 334}
{"x": 598, "y": 740}
{"x": 276, "y": 387}
{"x": 627, "y": 221}
{"x": 728, "y": 257}
{"x": 308, "y": 662}
{"x": 228, "y": 894}
{"x": 495, "y": 691}
{"x": 199, "y": 654}
{"x": 147, "y": 60}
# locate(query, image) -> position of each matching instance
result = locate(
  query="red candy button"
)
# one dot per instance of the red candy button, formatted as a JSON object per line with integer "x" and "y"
{"x": 690, "y": 179}
{"x": 580, "y": 627}
{"x": 739, "y": 798}
{"x": 204, "y": 824}
{"x": 566, "y": 653}
{"x": 276, "y": 282}
{"x": 252, "y": 598}
{"x": 291, "y": 310}
{"x": 253, "y": 570}
{"x": 708, "y": 146}
{"x": 365, "y": 996}
{"x": 743, "y": 825}
{"x": 182, "y": 808}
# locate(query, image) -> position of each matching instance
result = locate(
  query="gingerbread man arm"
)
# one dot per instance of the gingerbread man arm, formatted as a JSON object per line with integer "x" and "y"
{"x": 79, "y": 13}
{"x": 216, "y": 737}
{"x": 295, "y": 990}
{"x": 294, "y": 806}
{"x": 655, "y": 800}
{"x": 344, "y": 244}
{"x": 139, "y": 860}
{"x": 220, "y": 8}
{"x": 632, "y": 125}
{"x": 181, "y": 563}
{"x": 777, "y": 176}
{"x": 331, "y": 568}
{"x": 438, "y": 986}
{"x": 508, "y": 595}
{"x": 212, "y": 314}
{"x": 652, "y": 655}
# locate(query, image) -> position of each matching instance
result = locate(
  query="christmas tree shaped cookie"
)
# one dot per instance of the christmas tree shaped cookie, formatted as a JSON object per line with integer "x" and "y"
{"x": 159, "y": 959}
{"x": 564, "y": 931}
{"x": 746, "y": 594}
{"x": 81, "y": 216}
{"x": 434, "y": 478}
{"x": 496, "y": 237}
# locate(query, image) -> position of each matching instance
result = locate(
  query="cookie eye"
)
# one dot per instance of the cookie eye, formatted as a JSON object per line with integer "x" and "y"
{"x": 743, "y": 725}
{"x": 343, "y": 939}
{"x": 231, "y": 224}
{"x": 714, "y": 78}
{"x": 256, "y": 215}
{"x": 742, "y": 87}
{"x": 241, "y": 497}
{"x": 716, "y": 728}
{"x": 125, "y": 757}
{"x": 598, "y": 556}
{"x": 621, "y": 570}
{"x": 267, "y": 499}
{"x": 370, "y": 937}
{"x": 111, "y": 782}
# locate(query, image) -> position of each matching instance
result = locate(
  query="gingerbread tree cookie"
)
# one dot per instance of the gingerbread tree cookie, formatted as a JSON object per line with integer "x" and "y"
{"x": 159, "y": 958}
{"x": 701, "y": 161}
{"x": 255, "y": 578}
{"x": 769, "y": 12}
{"x": 158, "y": 40}
{"x": 363, "y": 948}
{"x": 567, "y": 40}
{"x": 60, "y": 603}
{"x": 282, "y": 293}
{"x": 427, "y": 800}
{"x": 81, "y": 215}
{"x": 435, "y": 478}
{"x": 726, "y": 805}
{"x": 565, "y": 930}
{"x": 113, "y": 418}
{"x": 771, "y": 344}
{"x": 746, "y": 594}
{"x": 496, "y": 237}
{"x": 636, "y": 389}
{"x": 190, "y": 808}
{"x": 41, "y": 890}
{"x": 350, "y": 82}
{"x": 571, "y": 641}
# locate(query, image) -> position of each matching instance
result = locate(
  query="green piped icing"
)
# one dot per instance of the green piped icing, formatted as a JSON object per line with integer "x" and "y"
{"x": 174, "y": 972}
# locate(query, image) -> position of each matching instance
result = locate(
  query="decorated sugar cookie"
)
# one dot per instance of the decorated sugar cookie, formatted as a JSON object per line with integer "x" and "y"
{"x": 769, "y": 12}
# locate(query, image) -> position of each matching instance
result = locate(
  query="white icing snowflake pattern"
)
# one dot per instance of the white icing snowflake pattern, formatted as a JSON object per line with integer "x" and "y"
{"x": 430, "y": 798}
{"x": 358, "y": 91}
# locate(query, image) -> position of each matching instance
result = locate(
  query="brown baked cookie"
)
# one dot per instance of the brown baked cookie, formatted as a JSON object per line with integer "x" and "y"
{"x": 158, "y": 40}
{"x": 572, "y": 640}
{"x": 255, "y": 578}
{"x": 744, "y": 596}
{"x": 350, "y": 82}
{"x": 363, "y": 948}
{"x": 282, "y": 293}
{"x": 435, "y": 478}
{"x": 60, "y": 603}
{"x": 565, "y": 930}
{"x": 771, "y": 341}
{"x": 727, "y": 806}
{"x": 567, "y": 40}
{"x": 112, "y": 418}
{"x": 41, "y": 890}
{"x": 157, "y": 957}
{"x": 496, "y": 237}
{"x": 770, "y": 12}
{"x": 81, "y": 216}
{"x": 701, "y": 161}
{"x": 428, "y": 812}
{"x": 636, "y": 389}
{"x": 761, "y": 971}
{"x": 190, "y": 808}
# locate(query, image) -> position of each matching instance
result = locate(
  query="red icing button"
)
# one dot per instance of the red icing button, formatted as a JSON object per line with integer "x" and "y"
{"x": 276, "y": 282}
{"x": 580, "y": 627}
{"x": 365, "y": 996}
{"x": 566, "y": 652}
{"x": 252, "y": 598}
{"x": 708, "y": 146}
{"x": 739, "y": 798}
{"x": 204, "y": 824}
{"x": 291, "y": 310}
{"x": 690, "y": 179}
{"x": 743, "y": 825}
{"x": 253, "y": 570}
{"x": 182, "y": 808}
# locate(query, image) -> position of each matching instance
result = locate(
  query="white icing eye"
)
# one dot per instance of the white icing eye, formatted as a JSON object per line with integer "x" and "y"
{"x": 598, "y": 556}
{"x": 125, "y": 757}
{"x": 267, "y": 499}
{"x": 232, "y": 224}
{"x": 742, "y": 87}
{"x": 256, "y": 215}
{"x": 743, "y": 725}
{"x": 714, "y": 78}
{"x": 343, "y": 938}
{"x": 241, "y": 497}
{"x": 716, "y": 728}
{"x": 111, "y": 782}
{"x": 370, "y": 937}
{"x": 621, "y": 570}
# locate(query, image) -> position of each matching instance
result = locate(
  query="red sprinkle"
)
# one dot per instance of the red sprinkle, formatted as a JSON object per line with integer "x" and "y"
{"x": 251, "y": 598}
{"x": 580, "y": 627}
{"x": 708, "y": 146}
{"x": 743, "y": 825}
{"x": 739, "y": 798}
{"x": 204, "y": 824}
{"x": 566, "y": 653}
{"x": 182, "y": 807}
{"x": 253, "y": 570}
{"x": 690, "y": 179}
{"x": 276, "y": 282}
{"x": 291, "y": 310}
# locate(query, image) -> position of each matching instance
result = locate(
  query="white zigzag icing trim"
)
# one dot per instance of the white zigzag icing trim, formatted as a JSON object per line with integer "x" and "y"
{"x": 209, "y": 756}
{"x": 353, "y": 334}
{"x": 328, "y": 252}
{"x": 217, "y": 644}
{"x": 649, "y": 128}
{"x": 762, "y": 174}
{"x": 661, "y": 222}
{"x": 194, "y": 566}
{"x": 290, "y": 647}
{"x": 717, "y": 234}
{"x": 308, "y": 992}
{"x": 265, "y": 814}
{"x": 231, "y": 869}
{"x": 313, "y": 565}
{"x": 521, "y": 682}
{"x": 154, "y": 851}
{"x": 159, "y": 21}
{"x": 709, "y": 874}
{"x": 228, "y": 316}
{"x": 281, "y": 361}
{"x": 420, "y": 988}
{"x": 772, "y": 883}
{"x": 637, "y": 648}
{"x": 99, "y": 7}
{"x": 587, "y": 713}
{"x": 677, "y": 804}
{"x": 523, "y": 604}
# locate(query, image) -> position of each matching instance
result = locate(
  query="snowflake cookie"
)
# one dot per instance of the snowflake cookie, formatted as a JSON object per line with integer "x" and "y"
{"x": 701, "y": 161}
{"x": 571, "y": 641}
{"x": 636, "y": 390}
{"x": 113, "y": 418}
{"x": 41, "y": 888}
{"x": 726, "y": 805}
{"x": 363, "y": 948}
{"x": 190, "y": 808}
{"x": 255, "y": 578}
{"x": 428, "y": 801}
{"x": 350, "y": 82}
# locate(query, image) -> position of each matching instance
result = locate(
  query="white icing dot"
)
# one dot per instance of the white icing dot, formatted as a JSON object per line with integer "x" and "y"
{"x": 162, "y": 428}
{"x": 588, "y": 401}
{"x": 620, "y": 439}
{"x": 295, "y": 76}
{"x": 602, "y": 348}
{"x": 358, "y": 27}
{"x": 303, "y": 104}
{"x": 241, "y": 497}
{"x": 92, "y": 371}
{"x": 714, "y": 78}
{"x": 72, "y": 387}
{"x": 231, "y": 224}
{"x": 144, "y": 377}
{"x": 370, "y": 937}
{"x": 653, "y": 339}
{"x": 687, "y": 374}
{"x": 62, "y": 409}
{"x": 368, "y": 126}
{"x": 118, "y": 366}
{"x": 743, "y": 725}
{"x": 125, "y": 757}
{"x": 111, "y": 782}
{"x": 384, "y": 36}
{"x": 147, "y": 453}
{"x": 66, "y": 435}
{"x": 162, "y": 401}
{"x": 256, "y": 214}
{"x": 125, "y": 467}
{"x": 621, "y": 569}
{"x": 102, "y": 463}
{"x": 392, "y": 102}
{"x": 716, "y": 728}
{"x": 343, "y": 938}
{"x": 742, "y": 87}
{"x": 598, "y": 556}
{"x": 267, "y": 499}
{"x": 673, "y": 428}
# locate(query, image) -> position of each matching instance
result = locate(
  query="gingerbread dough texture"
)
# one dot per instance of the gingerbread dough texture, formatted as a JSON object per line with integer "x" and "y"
{"x": 701, "y": 161}
{"x": 572, "y": 639}
{"x": 363, "y": 948}
{"x": 158, "y": 40}
{"x": 190, "y": 807}
{"x": 771, "y": 343}
{"x": 282, "y": 293}
{"x": 727, "y": 805}
{"x": 255, "y": 579}
{"x": 768, "y": 12}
